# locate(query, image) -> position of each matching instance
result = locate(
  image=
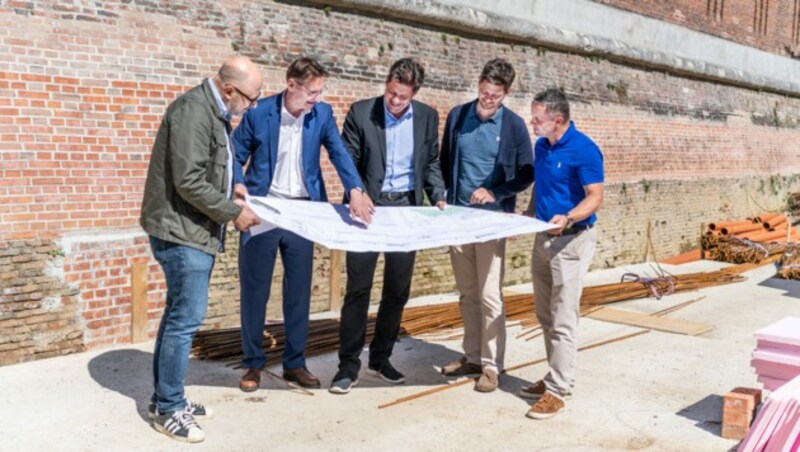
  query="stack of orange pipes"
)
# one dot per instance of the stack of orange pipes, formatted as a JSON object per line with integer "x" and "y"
{"x": 767, "y": 227}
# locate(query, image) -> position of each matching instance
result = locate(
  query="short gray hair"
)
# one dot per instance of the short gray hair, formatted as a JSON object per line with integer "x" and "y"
{"x": 555, "y": 102}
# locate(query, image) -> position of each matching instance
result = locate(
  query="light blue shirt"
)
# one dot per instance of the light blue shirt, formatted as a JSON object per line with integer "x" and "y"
{"x": 399, "y": 151}
{"x": 224, "y": 110}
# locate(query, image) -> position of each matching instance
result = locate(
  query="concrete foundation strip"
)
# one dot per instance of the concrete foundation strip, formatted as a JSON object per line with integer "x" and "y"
{"x": 508, "y": 369}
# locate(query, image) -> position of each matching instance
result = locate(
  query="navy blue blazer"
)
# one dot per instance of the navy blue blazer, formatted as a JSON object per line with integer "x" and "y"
{"x": 513, "y": 167}
{"x": 256, "y": 141}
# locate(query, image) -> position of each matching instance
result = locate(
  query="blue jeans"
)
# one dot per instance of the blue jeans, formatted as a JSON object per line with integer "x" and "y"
{"x": 187, "y": 271}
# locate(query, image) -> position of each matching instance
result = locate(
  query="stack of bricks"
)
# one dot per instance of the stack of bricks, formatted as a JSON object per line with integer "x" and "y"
{"x": 738, "y": 411}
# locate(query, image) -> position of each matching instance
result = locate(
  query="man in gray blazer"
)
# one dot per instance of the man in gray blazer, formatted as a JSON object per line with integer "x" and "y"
{"x": 394, "y": 142}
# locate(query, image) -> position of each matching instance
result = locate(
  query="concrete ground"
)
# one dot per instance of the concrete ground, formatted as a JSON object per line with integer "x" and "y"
{"x": 657, "y": 391}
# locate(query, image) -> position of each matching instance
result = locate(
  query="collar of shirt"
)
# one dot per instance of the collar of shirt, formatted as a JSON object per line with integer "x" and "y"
{"x": 563, "y": 140}
{"x": 493, "y": 119}
{"x": 289, "y": 119}
{"x": 223, "y": 110}
{"x": 391, "y": 120}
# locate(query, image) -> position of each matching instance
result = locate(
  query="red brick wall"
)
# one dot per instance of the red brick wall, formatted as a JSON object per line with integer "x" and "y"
{"x": 771, "y": 25}
{"x": 83, "y": 87}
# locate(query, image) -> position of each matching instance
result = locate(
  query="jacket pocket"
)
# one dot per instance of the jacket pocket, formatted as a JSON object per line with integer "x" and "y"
{"x": 217, "y": 167}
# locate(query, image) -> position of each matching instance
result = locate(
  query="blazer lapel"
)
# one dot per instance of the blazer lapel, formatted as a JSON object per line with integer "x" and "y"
{"x": 379, "y": 119}
{"x": 419, "y": 141}
{"x": 274, "y": 127}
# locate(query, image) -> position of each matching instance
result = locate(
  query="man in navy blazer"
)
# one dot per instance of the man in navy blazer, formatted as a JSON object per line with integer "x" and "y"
{"x": 281, "y": 140}
{"x": 486, "y": 160}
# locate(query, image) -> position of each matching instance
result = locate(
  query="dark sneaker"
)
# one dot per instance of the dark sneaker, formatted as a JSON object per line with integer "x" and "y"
{"x": 342, "y": 383}
{"x": 179, "y": 425}
{"x": 548, "y": 406}
{"x": 460, "y": 368}
{"x": 387, "y": 373}
{"x": 487, "y": 382}
{"x": 193, "y": 408}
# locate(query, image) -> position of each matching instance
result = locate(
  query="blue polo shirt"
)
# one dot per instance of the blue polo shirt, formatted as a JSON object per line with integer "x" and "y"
{"x": 562, "y": 170}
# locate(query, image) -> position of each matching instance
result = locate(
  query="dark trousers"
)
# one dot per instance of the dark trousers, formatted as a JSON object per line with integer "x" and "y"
{"x": 257, "y": 256}
{"x": 397, "y": 273}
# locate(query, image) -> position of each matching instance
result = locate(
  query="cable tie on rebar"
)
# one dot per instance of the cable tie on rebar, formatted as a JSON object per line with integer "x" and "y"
{"x": 751, "y": 244}
{"x": 657, "y": 286}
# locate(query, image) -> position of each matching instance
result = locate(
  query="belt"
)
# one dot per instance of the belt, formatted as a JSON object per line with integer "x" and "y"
{"x": 394, "y": 195}
{"x": 576, "y": 229}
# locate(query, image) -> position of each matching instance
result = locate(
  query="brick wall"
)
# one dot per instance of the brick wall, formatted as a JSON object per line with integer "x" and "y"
{"x": 83, "y": 86}
{"x": 773, "y": 25}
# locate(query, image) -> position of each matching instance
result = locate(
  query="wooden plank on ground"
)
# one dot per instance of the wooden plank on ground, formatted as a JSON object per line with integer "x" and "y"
{"x": 648, "y": 321}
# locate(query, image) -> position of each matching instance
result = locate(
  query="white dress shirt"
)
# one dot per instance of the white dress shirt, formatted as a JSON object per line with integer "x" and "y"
{"x": 287, "y": 180}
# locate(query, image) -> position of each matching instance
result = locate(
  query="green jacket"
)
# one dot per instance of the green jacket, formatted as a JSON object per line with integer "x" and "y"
{"x": 185, "y": 198}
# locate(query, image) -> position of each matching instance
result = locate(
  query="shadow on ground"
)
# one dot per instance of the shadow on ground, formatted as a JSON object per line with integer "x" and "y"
{"x": 790, "y": 287}
{"x": 707, "y": 413}
{"x": 129, "y": 371}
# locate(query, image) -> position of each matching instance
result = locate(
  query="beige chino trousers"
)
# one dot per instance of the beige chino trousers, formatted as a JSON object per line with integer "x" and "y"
{"x": 558, "y": 267}
{"x": 479, "y": 269}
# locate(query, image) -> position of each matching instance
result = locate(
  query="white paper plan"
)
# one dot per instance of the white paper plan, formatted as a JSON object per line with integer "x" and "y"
{"x": 392, "y": 228}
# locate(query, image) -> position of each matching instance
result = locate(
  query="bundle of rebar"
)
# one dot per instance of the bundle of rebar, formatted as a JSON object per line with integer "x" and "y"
{"x": 790, "y": 263}
{"x": 323, "y": 335}
{"x": 748, "y": 240}
{"x": 736, "y": 250}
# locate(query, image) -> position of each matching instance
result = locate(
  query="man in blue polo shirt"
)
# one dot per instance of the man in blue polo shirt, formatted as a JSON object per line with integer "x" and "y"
{"x": 568, "y": 167}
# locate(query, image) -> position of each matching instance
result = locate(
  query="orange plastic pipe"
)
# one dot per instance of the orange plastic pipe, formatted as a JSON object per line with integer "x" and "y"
{"x": 741, "y": 228}
{"x": 689, "y": 256}
{"x": 726, "y": 224}
{"x": 773, "y": 223}
{"x": 765, "y": 217}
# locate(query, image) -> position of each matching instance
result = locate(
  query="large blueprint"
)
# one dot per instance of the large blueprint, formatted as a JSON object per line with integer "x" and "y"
{"x": 392, "y": 228}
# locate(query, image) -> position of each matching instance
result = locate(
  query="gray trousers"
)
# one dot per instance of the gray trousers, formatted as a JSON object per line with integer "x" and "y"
{"x": 558, "y": 267}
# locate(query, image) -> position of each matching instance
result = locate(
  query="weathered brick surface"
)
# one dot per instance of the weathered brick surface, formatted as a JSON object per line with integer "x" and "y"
{"x": 38, "y": 311}
{"x": 83, "y": 86}
{"x": 773, "y": 26}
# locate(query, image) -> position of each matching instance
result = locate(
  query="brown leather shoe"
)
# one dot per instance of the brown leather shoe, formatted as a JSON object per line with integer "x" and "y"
{"x": 461, "y": 367}
{"x": 302, "y": 377}
{"x": 533, "y": 391}
{"x": 537, "y": 390}
{"x": 250, "y": 380}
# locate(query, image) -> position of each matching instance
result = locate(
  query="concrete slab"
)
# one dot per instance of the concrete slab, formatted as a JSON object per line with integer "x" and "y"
{"x": 657, "y": 391}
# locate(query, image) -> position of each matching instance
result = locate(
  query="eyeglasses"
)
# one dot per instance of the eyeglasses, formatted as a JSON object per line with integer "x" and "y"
{"x": 251, "y": 100}
{"x": 312, "y": 94}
